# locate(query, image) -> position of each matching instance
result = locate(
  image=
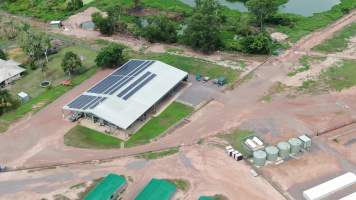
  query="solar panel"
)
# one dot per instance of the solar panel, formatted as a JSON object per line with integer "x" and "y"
{"x": 81, "y": 101}
{"x": 122, "y": 93}
{"x": 143, "y": 83}
{"x": 115, "y": 77}
{"x": 91, "y": 103}
{"x": 98, "y": 102}
{"x": 128, "y": 78}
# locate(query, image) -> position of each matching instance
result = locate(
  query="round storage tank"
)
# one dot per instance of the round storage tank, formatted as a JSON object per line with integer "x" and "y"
{"x": 259, "y": 157}
{"x": 295, "y": 145}
{"x": 284, "y": 149}
{"x": 272, "y": 153}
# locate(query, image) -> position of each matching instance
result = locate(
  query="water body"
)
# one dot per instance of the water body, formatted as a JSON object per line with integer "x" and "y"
{"x": 301, "y": 7}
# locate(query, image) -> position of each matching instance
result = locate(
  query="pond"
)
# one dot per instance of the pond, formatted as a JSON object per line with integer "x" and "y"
{"x": 301, "y": 7}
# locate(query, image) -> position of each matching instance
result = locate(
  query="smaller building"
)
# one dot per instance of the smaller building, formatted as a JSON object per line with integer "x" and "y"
{"x": 56, "y": 24}
{"x": 9, "y": 72}
{"x": 108, "y": 189}
{"x": 23, "y": 96}
{"x": 157, "y": 189}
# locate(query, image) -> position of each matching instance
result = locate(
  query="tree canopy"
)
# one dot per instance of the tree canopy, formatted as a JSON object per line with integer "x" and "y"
{"x": 263, "y": 9}
{"x": 111, "y": 56}
{"x": 257, "y": 44}
{"x": 71, "y": 62}
{"x": 110, "y": 24}
{"x": 7, "y": 103}
{"x": 74, "y": 5}
{"x": 203, "y": 28}
{"x": 160, "y": 29}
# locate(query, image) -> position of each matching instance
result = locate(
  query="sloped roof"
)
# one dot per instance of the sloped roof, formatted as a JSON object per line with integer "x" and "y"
{"x": 9, "y": 69}
{"x": 157, "y": 189}
{"x": 107, "y": 187}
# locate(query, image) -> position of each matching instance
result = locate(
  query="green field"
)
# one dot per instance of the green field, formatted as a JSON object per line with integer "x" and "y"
{"x": 194, "y": 66}
{"x": 339, "y": 41}
{"x": 341, "y": 77}
{"x": 158, "y": 125}
{"x": 84, "y": 137}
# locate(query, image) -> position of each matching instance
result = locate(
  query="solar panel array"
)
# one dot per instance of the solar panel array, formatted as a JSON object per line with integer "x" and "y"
{"x": 119, "y": 79}
{"x": 86, "y": 102}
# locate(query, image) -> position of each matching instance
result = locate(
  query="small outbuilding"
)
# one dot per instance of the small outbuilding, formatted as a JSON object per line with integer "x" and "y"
{"x": 23, "y": 96}
{"x": 56, "y": 24}
{"x": 157, "y": 189}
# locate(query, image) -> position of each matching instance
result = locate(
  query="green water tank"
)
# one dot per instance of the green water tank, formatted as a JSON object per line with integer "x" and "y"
{"x": 272, "y": 153}
{"x": 259, "y": 157}
{"x": 284, "y": 149}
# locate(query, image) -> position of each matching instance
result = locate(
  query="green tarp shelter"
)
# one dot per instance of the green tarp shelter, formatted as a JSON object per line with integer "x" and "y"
{"x": 104, "y": 190}
{"x": 157, "y": 189}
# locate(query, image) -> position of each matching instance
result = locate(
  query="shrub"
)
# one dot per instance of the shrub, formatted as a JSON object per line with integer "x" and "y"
{"x": 160, "y": 29}
{"x": 3, "y": 55}
{"x": 257, "y": 44}
{"x": 74, "y": 5}
{"x": 111, "y": 56}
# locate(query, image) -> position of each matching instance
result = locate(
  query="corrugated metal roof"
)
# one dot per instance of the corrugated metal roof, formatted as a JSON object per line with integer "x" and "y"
{"x": 124, "y": 112}
{"x": 206, "y": 198}
{"x": 107, "y": 187}
{"x": 157, "y": 189}
{"x": 9, "y": 69}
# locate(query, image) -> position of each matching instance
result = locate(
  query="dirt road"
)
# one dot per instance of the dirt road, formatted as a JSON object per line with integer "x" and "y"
{"x": 39, "y": 140}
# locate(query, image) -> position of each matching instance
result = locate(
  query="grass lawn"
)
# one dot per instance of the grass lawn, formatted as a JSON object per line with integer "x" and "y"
{"x": 84, "y": 137}
{"x": 235, "y": 139}
{"x": 157, "y": 125}
{"x": 158, "y": 154}
{"x": 341, "y": 77}
{"x": 194, "y": 66}
{"x": 339, "y": 41}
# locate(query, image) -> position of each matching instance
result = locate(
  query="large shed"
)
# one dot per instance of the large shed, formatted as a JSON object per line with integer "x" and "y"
{"x": 129, "y": 92}
{"x": 107, "y": 189}
{"x": 157, "y": 189}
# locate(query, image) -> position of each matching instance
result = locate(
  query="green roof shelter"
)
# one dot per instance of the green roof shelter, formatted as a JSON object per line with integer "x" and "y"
{"x": 157, "y": 189}
{"x": 107, "y": 189}
{"x": 206, "y": 198}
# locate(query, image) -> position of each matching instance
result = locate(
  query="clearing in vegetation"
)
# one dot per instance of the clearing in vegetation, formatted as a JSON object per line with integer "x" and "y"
{"x": 158, "y": 125}
{"x": 339, "y": 41}
{"x": 84, "y": 137}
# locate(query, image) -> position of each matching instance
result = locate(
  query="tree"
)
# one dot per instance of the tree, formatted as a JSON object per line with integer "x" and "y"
{"x": 257, "y": 44}
{"x": 111, "y": 56}
{"x": 70, "y": 63}
{"x": 203, "y": 28}
{"x": 74, "y": 5}
{"x": 262, "y": 9}
{"x": 160, "y": 29}
{"x": 3, "y": 55}
{"x": 110, "y": 24}
{"x": 7, "y": 103}
{"x": 137, "y": 4}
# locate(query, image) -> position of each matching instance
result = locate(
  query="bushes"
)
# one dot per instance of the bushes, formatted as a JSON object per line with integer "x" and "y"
{"x": 3, "y": 55}
{"x": 73, "y": 5}
{"x": 110, "y": 24}
{"x": 160, "y": 29}
{"x": 111, "y": 56}
{"x": 257, "y": 44}
{"x": 7, "y": 103}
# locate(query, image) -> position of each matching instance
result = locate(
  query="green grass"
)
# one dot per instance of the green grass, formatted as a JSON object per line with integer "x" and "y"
{"x": 181, "y": 184}
{"x": 158, "y": 154}
{"x": 339, "y": 41}
{"x": 84, "y": 137}
{"x": 236, "y": 138}
{"x": 305, "y": 25}
{"x": 304, "y": 61}
{"x": 341, "y": 77}
{"x": 158, "y": 125}
{"x": 194, "y": 66}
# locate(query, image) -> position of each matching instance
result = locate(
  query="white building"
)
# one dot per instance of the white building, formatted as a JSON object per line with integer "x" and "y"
{"x": 9, "y": 72}
{"x": 128, "y": 93}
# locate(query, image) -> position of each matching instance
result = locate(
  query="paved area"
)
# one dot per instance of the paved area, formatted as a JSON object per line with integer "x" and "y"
{"x": 199, "y": 92}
